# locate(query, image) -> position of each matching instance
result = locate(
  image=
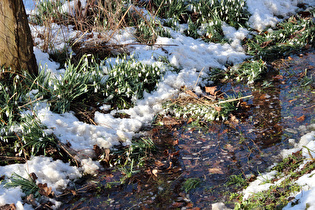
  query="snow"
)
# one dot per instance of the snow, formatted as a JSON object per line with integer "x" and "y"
{"x": 55, "y": 173}
{"x": 307, "y": 181}
{"x": 193, "y": 57}
{"x": 264, "y": 12}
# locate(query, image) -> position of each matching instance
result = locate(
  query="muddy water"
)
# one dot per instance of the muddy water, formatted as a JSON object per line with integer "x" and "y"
{"x": 281, "y": 107}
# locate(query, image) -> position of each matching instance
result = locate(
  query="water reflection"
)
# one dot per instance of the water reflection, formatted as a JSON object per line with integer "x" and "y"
{"x": 266, "y": 114}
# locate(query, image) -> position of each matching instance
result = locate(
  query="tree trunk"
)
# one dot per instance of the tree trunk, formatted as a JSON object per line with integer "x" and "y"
{"x": 16, "y": 44}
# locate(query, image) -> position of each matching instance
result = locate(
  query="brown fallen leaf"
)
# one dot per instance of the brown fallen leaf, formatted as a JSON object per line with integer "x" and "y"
{"x": 215, "y": 171}
{"x": 8, "y": 207}
{"x": 301, "y": 119}
{"x": 189, "y": 205}
{"x": 169, "y": 121}
{"x": 175, "y": 142}
{"x": 158, "y": 163}
{"x": 189, "y": 92}
{"x": 189, "y": 120}
{"x": 277, "y": 77}
{"x": 90, "y": 35}
{"x": 33, "y": 176}
{"x": 30, "y": 199}
{"x": 45, "y": 191}
{"x": 211, "y": 90}
{"x": 218, "y": 108}
{"x": 292, "y": 100}
{"x": 233, "y": 119}
{"x": 177, "y": 204}
{"x": 229, "y": 147}
{"x": 98, "y": 151}
{"x": 155, "y": 172}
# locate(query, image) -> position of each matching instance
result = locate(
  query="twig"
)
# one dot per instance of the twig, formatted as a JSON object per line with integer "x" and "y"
{"x": 12, "y": 158}
{"x": 123, "y": 17}
{"x": 199, "y": 76}
{"x": 63, "y": 147}
{"x": 231, "y": 100}
{"x": 40, "y": 98}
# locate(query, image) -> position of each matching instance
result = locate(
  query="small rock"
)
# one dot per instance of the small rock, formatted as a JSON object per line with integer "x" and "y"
{"x": 219, "y": 206}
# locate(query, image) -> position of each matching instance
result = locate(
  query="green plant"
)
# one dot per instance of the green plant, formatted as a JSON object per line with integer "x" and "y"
{"x": 30, "y": 138}
{"x": 274, "y": 197}
{"x": 14, "y": 87}
{"x": 237, "y": 181}
{"x": 233, "y": 12}
{"x": 28, "y": 186}
{"x": 190, "y": 183}
{"x": 248, "y": 70}
{"x": 148, "y": 31}
{"x": 291, "y": 35}
{"x": 79, "y": 83}
{"x": 139, "y": 150}
{"x": 290, "y": 163}
{"x": 127, "y": 171}
{"x": 47, "y": 11}
{"x": 128, "y": 80}
{"x": 168, "y": 8}
{"x": 195, "y": 111}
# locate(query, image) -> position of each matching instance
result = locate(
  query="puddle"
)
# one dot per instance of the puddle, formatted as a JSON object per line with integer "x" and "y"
{"x": 280, "y": 109}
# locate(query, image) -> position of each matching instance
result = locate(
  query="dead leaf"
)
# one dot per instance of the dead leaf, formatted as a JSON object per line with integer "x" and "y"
{"x": 209, "y": 36}
{"x": 155, "y": 172}
{"x": 175, "y": 142}
{"x": 98, "y": 151}
{"x": 90, "y": 35}
{"x": 33, "y": 176}
{"x": 233, "y": 119}
{"x": 189, "y": 205}
{"x": 189, "y": 92}
{"x": 218, "y": 108}
{"x": 229, "y": 147}
{"x": 265, "y": 44}
{"x": 189, "y": 120}
{"x": 301, "y": 119}
{"x": 169, "y": 121}
{"x": 8, "y": 207}
{"x": 45, "y": 191}
{"x": 215, "y": 171}
{"x": 107, "y": 151}
{"x": 177, "y": 204}
{"x": 262, "y": 97}
{"x": 158, "y": 163}
{"x": 278, "y": 77}
{"x": 211, "y": 90}
{"x": 30, "y": 199}
{"x": 292, "y": 100}
{"x": 174, "y": 154}
{"x": 244, "y": 105}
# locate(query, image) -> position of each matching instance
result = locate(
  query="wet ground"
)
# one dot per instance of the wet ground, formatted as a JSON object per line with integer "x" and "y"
{"x": 281, "y": 106}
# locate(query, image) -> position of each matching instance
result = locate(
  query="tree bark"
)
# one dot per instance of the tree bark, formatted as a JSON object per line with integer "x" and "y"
{"x": 16, "y": 44}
